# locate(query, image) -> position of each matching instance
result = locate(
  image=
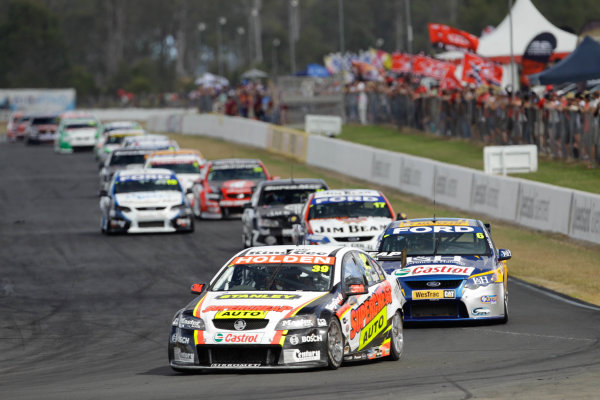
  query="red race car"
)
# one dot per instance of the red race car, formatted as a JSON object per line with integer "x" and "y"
{"x": 226, "y": 186}
{"x": 17, "y": 123}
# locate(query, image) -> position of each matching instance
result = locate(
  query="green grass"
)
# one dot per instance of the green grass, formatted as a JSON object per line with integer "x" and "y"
{"x": 573, "y": 175}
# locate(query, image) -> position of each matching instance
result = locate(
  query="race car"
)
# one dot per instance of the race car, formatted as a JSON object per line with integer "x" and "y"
{"x": 185, "y": 163}
{"x": 15, "y": 128}
{"x": 347, "y": 217}
{"x": 152, "y": 140}
{"x": 290, "y": 307}
{"x": 226, "y": 186}
{"x": 76, "y": 131}
{"x": 41, "y": 129}
{"x": 145, "y": 201}
{"x": 109, "y": 127}
{"x": 113, "y": 140}
{"x": 119, "y": 159}
{"x": 449, "y": 269}
{"x": 275, "y": 204}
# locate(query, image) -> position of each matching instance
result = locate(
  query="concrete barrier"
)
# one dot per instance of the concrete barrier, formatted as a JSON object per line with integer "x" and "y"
{"x": 510, "y": 159}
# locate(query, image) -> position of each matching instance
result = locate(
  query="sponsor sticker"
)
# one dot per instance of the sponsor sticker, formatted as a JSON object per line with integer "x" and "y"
{"x": 321, "y": 322}
{"x": 248, "y": 314}
{"x": 238, "y": 337}
{"x": 435, "y": 229}
{"x": 296, "y": 355}
{"x": 462, "y": 222}
{"x": 433, "y": 294}
{"x": 286, "y": 259}
{"x": 312, "y": 338}
{"x": 248, "y": 308}
{"x": 369, "y": 309}
{"x": 182, "y": 356}
{"x": 373, "y": 328}
{"x": 258, "y": 296}
{"x": 436, "y": 270}
{"x": 235, "y": 365}
{"x": 294, "y": 340}
{"x": 489, "y": 299}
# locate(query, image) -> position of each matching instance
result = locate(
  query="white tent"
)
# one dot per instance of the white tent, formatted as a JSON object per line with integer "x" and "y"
{"x": 527, "y": 23}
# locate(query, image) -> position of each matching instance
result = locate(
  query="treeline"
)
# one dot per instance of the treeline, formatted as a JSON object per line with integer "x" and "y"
{"x": 155, "y": 46}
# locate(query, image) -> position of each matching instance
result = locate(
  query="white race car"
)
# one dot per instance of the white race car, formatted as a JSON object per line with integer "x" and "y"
{"x": 186, "y": 164}
{"x": 145, "y": 201}
{"x": 290, "y": 307}
{"x": 347, "y": 217}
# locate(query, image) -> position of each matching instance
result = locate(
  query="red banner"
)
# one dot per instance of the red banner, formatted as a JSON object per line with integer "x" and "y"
{"x": 427, "y": 66}
{"x": 481, "y": 71}
{"x": 448, "y": 36}
{"x": 449, "y": 82}
{"x": 402, "y": 62}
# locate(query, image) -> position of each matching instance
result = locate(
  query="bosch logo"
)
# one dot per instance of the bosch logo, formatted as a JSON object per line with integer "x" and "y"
{"x": 433, "y": 284}
{"x": 239, "y": 325}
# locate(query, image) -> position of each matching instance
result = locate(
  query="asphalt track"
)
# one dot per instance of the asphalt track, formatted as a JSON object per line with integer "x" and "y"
{"x": 84, "y": 316}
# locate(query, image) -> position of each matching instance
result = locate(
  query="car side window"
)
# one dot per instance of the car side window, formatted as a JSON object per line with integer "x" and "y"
{"x": 353, "y": 273}
{"x": 368, "y": 269}
{"x": 377, "y": 268}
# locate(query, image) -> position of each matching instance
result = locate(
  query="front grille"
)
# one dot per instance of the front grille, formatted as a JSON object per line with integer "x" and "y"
{"x": 444, "y": 284}
{"x": 151, "y": 224}
{"x": 227, "y": 324}
{"x": 238, "y": 354}
{"x": 436, "y": 309}
{"x": 150, "y": 208}
{"x": 352, "y": 239}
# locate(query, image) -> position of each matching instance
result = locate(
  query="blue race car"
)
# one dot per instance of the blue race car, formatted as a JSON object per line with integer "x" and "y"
{"x": 449, "y": 269}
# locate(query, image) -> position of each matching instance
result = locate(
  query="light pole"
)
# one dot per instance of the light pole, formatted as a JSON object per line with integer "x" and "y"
{"x": 222, "y": 21}
{"x": 293, "y": 9}
{"x": 241, "y": 31}
{"x": 201, "y": 28}
{"x": 276, "y": 43}
{"x": 341, "y": 23}
{"x": 409, "y": 30}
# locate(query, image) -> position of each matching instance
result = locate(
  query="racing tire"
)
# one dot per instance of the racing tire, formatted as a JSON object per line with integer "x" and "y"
{"x": 396, "y": 337}
{"x": 505, "y": 318}
{"x": 335, "y": 344}
{"x": 224, "y": 213}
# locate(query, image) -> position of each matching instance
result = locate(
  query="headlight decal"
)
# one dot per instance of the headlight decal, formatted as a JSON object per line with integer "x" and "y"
{"x": 279, "y": 337}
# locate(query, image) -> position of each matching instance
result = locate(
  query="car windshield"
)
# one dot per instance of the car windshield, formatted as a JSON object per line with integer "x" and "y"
{"x": 275, "y": 276}
{"x": 126, "y": 159}
{"x": 349, "y": 209}
{"x": 45, "y": 121}
{"x": 438, "y": 243}
{"x": 146, "y": 185}
{"x": 81, "y": 125}
{"x": 179, "y": 168}
{"x": 250, "y": 173}
{"x": 283, "y": 196}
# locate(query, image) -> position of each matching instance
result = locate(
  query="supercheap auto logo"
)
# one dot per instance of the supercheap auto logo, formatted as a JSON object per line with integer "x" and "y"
{"x": 369, "y": 310}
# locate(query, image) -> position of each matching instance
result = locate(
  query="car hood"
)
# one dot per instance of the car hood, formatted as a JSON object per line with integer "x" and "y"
{"x": 187, "y": 180}
{"x": 274, "y": 304}
{"x": 342, "y": 227}
{"x": 154, "y": 198}
{"x": 279, "y": 211}
{"x": 238, "y": 186}
{"x": 449, "y": 266}
{"x": 83, "y": 131}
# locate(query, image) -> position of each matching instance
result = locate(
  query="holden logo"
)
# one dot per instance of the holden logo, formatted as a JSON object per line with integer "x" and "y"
{"x": 239, "y": 325}
{"x": 294, "y": 340}
{"x": 433, "y": 284}
{"x": 219, "y": 337}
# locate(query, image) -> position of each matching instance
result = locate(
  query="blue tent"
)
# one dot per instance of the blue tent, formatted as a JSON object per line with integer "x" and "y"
{"x": 314, "y": 70}
{"x": 583, "y": 64}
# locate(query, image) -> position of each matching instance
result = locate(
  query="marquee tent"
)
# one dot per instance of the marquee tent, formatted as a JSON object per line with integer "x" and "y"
{"x": 581, "y": 65}
{"x": 527, "y": 23}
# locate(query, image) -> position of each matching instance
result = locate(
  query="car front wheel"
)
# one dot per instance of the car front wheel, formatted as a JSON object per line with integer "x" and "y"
{"x": 335, "y": 344}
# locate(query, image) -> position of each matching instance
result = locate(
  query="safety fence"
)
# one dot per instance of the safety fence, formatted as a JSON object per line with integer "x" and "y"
{"x": 560, "y": 133}
{"x": 535, "y": 205}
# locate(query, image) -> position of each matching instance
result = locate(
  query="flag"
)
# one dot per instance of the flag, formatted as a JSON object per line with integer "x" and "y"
{"x": 401, "y": 63}
{"x": 451, "y": 38}
{"x": 427, "y": 66}
{"x": 481, "y": 71}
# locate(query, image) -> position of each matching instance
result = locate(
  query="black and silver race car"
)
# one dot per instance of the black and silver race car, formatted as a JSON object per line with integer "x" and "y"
{"x": 290, "y": 307}
{"x": 267, "y": 219}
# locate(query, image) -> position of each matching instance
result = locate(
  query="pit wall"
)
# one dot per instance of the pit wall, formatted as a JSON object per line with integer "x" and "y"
{"x": 531, "y": 204}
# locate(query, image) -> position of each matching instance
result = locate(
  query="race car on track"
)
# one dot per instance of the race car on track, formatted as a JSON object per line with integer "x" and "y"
{"x": 112, "y": 126}
{"x": 152, "y": 140}
{"x": 41, "y": 129}
{"x": 145, "y": 201}
{"x": 119, "y": 159}
{"x": 346, "y": 217}
{"x": 449, "y": 269}
{"x": 186, "y": 163}
{"x": 274, "y": 206}
{"x": 76, "y": 131}
{"x": 290, "y": 307}
{"x": 113, "y": 140}
{"x": 226, "y": 186}
{"x": 17, "y": 123}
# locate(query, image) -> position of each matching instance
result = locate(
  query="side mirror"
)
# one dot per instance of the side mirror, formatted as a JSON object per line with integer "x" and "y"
{"x": 355, "y": 286}
{"x": 189, "y": 191}
{"x": 504, "y": 254}
{"x": 103, "y": 193}
{"x": 488, "y": 226}
{"x": 401, "y": 216}
{"x": 197, "y": 288}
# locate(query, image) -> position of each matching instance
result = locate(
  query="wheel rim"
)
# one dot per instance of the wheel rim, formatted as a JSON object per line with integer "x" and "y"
{"x": 397, "y": 333}
{"x": 335, "y": 343}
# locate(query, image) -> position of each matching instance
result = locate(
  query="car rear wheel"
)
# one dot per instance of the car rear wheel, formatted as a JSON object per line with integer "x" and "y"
{"x": 335, "y": 344}
{"x": 505, "y": 319}
{"x": 396, "y": 337}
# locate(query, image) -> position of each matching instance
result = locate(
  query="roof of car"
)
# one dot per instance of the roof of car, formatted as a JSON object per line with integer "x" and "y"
{"x": 177, "y": 153}
{"x": 235, "y": 161}
{"x": 131, "y": 150}
{"x": 348, "y": 192}
{"x": 143, "y": 171}
{"x": 292, "y": 182}
{"x": 434, "y": 221}
{"x": 127, "y": 132}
